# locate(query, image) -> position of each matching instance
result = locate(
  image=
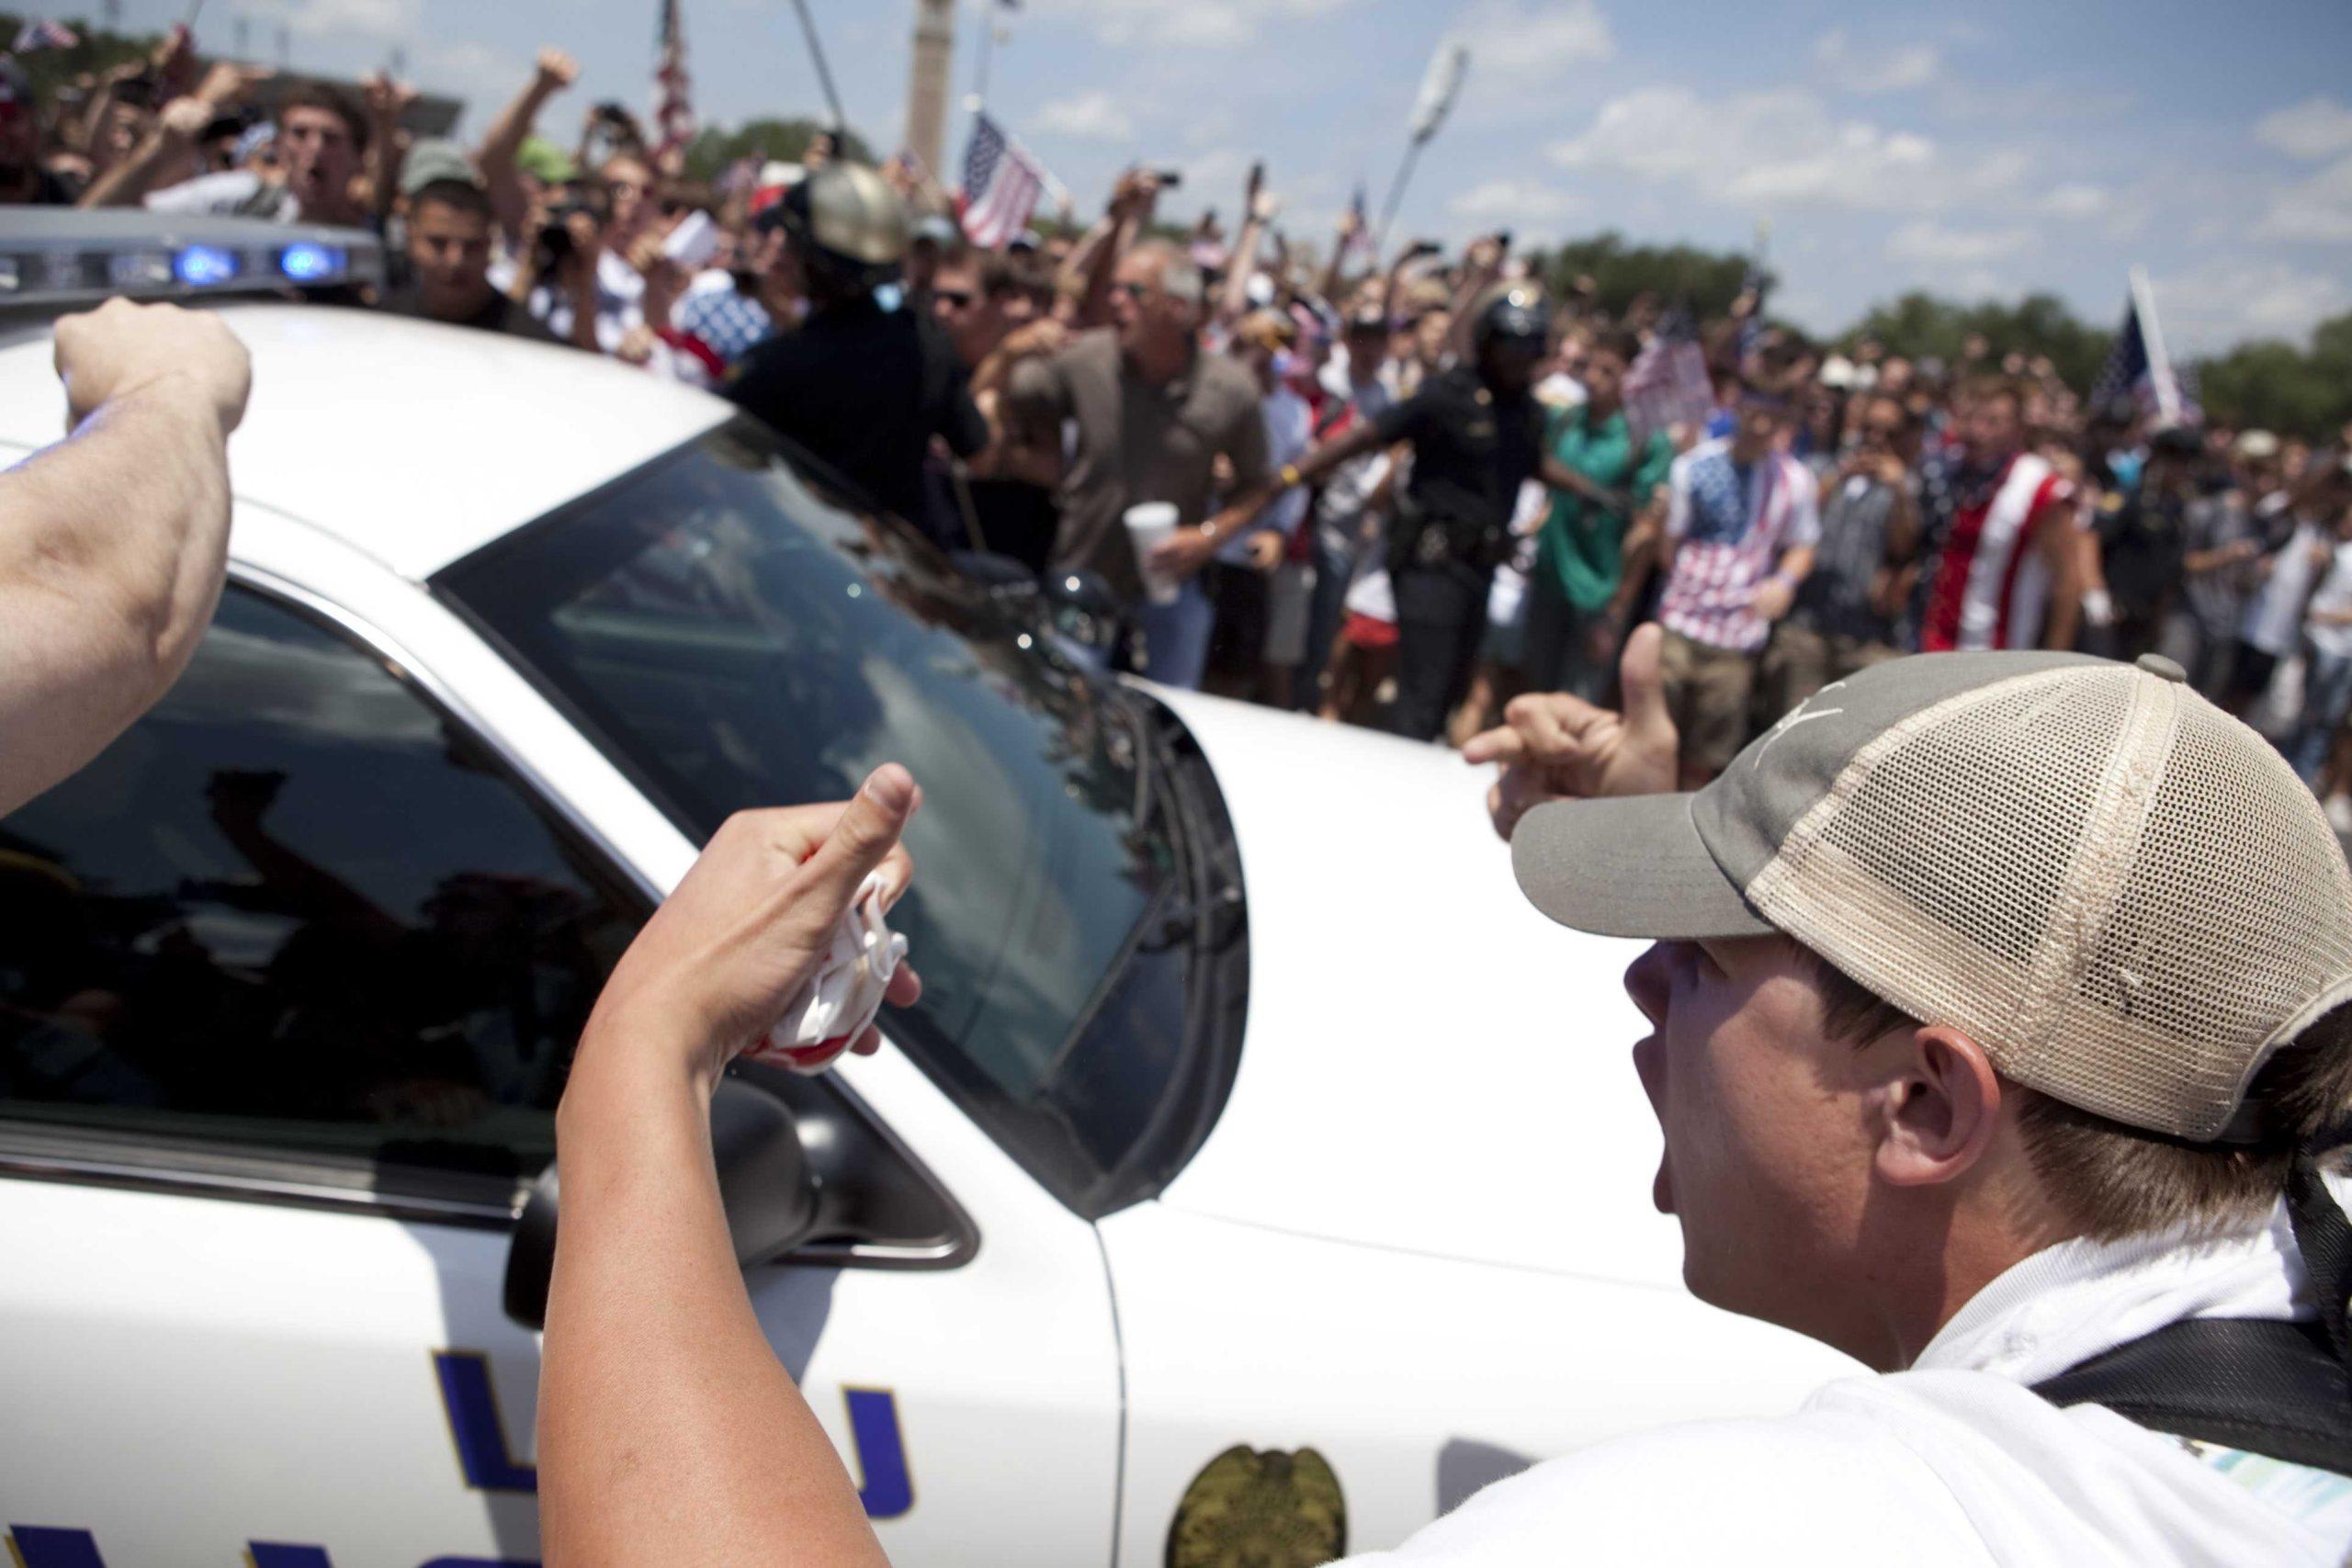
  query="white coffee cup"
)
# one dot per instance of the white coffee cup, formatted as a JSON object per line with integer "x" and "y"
{"x": 1148, "y": 521}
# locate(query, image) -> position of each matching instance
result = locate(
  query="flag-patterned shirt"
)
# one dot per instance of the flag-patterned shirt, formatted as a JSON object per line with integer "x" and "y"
{"x": 1729, "y": 525}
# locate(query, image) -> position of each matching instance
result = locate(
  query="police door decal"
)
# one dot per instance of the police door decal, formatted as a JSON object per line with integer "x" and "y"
{"x": 475, "y": 1426}
{"x": 887, "y": 1486}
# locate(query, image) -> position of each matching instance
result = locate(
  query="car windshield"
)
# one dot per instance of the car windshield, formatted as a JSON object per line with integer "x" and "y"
{"x": 737, "y": 641}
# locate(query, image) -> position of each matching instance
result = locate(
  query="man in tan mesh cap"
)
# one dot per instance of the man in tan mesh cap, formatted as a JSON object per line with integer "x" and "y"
{"x": 1997, "y": 1025}
{"x": 1996, "y": 1008}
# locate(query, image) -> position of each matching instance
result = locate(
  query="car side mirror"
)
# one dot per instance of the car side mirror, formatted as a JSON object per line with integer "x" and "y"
{"x": 774, "y": 1198}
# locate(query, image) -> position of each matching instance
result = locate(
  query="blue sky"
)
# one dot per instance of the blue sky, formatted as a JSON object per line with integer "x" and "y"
{"x": 1976, "y": 151}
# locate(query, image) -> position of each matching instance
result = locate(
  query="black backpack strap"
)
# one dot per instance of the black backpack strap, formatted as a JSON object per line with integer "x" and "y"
{"x": 2324, "y": 1238}
{"x": 2279, "y": 1389}
{"x": 2267, "y": 1386}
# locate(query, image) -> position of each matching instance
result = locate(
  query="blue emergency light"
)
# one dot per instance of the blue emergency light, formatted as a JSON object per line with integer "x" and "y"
{"x": 54, "y": 258}
{"x": 200, "y": 266}
{"x": 307, "y": 263}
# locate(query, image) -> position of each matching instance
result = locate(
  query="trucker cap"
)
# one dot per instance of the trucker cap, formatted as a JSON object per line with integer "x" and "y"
{"x": 2122, "y": 893}
{"x": 433, "y": 162}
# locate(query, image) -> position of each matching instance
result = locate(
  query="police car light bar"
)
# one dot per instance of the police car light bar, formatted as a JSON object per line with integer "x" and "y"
{"x": 64, "y": 257}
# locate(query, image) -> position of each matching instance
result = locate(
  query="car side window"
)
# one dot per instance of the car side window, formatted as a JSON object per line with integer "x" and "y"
{"x": 296, "y": 911}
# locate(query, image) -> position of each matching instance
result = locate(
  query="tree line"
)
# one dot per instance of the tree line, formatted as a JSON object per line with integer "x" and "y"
{"x": 2293, "y": 389}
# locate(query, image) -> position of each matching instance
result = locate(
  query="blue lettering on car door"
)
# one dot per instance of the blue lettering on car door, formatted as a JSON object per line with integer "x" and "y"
{"x": 40, "y": 1548}
{"x": 888, "y": 1490}
{"x": 476, "y": 1428}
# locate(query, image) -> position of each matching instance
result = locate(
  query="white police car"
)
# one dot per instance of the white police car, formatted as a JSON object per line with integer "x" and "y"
{"x": 1248, "y": 1111}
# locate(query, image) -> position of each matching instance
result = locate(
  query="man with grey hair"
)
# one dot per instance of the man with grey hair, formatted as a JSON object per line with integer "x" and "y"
{"x": 1150, "y": 414}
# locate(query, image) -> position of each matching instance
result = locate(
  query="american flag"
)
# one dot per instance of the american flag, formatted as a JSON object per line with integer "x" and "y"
{"x": 1667, "y": 385}
{"x": 671, "y": 113}
{"x": 41, "y": 33}
{"x": 1001, "y": 185}
{"x": 2138, "y": 368}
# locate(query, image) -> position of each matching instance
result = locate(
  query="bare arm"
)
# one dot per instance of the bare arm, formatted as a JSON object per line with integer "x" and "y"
{"x": 94, "y": 113}
{"x": 387, "y": 101}
{"x": 1394, "y": 276}
{"x": 111, "y": 559}
{"x": 1188, "y": 550}
{"x": 1082, "y": 289}
{"x": 1257, "y": 208}
{"x": 1335, "y": 270}
{"x": 1559, "y": 476}
{"x": 2068, "y": 550}
{"x": 1641, "y": 543}
{"x": 668, "y": 1430}
{"x": 556, "y": 71}
{"x": 1132, "y": 200}
{"x": 159, "y": 160}
{"x": 1480, "y": 269}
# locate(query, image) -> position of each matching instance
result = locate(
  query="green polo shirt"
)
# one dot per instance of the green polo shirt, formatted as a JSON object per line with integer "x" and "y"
{"x": 1583, "y": 547}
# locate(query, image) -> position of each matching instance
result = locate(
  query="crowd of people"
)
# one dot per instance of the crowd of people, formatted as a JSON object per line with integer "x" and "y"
{"x": 1403, "y": 490}
{"x": 2018, "y": 1074}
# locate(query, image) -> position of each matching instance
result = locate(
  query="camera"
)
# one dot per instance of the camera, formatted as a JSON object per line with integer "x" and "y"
{"x": 551, "y": 246}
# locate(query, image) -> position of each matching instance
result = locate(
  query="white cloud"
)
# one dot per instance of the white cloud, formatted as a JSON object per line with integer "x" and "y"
{"x": 2316, "y": 128}
{"x": 472, "y": 70}
{"x": 1932, "y": 245}
{"x": 2317, "y": 209}
{"x": 1521, "y": 45}
{"x": 2076, "y": 201}
{"x": 1507, "y": 202}
{"x": 1859, "y": 69}
{"x": 395, "y": 19}
{"x": 1192, "y": 23}
{"x": 1782, "y": 148}
{"x": 2227, "y": 301}
{"x": 1093, "y": 116}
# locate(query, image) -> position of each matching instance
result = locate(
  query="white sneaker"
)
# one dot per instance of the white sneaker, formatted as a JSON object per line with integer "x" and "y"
{"x": 2339, "y": 813}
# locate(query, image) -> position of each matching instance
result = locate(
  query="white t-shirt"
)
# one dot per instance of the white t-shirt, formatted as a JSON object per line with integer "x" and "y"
{"x": 1955, "y": 1462}
{"x": 231, "y": 193}
{"x": 2275, "y": 616}
{"x": 2334, "y": 593}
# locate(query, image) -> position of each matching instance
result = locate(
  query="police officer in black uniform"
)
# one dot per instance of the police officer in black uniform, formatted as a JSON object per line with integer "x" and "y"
{"x": 863, "y": 387}
{"x": 2143, "y": 543}
{"x": 1477, "y": 434}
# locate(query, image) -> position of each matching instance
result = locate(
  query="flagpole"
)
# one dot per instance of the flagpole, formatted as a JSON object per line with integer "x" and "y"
{"x": 1396, "y": 195}
{"x": 987, "y": 52}
{"x": 2151, "y": 337}
{"x": 824, "y": 71}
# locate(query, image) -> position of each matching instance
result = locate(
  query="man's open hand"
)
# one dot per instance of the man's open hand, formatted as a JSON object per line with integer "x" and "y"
{"x": 1556, "y": 746}
{"x": 121, "y": 349}
{"x": 716, "y": 966}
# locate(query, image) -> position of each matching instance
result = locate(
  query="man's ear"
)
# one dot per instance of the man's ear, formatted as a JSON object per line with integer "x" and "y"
{"x": 1940, "y": 1104}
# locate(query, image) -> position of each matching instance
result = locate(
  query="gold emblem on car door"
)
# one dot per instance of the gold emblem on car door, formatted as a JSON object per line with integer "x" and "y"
{"x": 1260, "y": 1509}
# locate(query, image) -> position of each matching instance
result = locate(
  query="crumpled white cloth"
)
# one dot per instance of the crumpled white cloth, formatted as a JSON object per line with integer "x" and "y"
{"x": 845, "y": 994}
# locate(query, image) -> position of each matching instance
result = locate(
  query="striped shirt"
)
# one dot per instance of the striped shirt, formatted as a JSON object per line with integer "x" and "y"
{"x": 1729, "y": 525}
